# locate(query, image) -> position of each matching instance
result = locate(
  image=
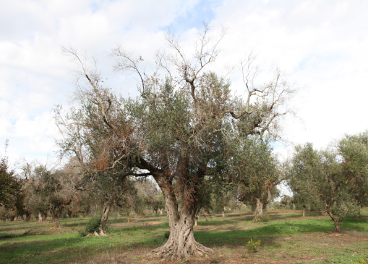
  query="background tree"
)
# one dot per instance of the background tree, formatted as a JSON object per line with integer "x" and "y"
{"x": 257, "y": 174}
{"x": 11, "y": 192}
{"x": 317, "y": 178}
{"x": 286, "y": 201}
{"x": 354, "y": 151}
{"x": 53, "y": 187}
{"x": 151, "y": 195}
{"x": 99, "y": 152}
{"x": 180, "y": 130}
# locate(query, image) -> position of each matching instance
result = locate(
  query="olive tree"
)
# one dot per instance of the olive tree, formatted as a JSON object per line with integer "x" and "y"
{"x": 317, "y": 178}
{"x": 181, "y": 130}
{"x": 257, "y": 174}
{"x": 354, "y": 152}
{"x": 51, "y": 187}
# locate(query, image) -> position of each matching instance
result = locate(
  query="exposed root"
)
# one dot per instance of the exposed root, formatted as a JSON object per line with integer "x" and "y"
{"x": 170, "y": 251}
{"x": 102, "y": 233}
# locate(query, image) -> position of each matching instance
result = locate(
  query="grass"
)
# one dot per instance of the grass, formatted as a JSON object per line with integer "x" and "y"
{"x": 287, "y": 238}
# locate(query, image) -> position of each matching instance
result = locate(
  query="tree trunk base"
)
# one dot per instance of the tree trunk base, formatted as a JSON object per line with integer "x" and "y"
{"x": 171, "y": 251}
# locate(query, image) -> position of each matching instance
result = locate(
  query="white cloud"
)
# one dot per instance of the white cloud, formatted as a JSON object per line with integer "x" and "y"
{"x": 321, "y": 44}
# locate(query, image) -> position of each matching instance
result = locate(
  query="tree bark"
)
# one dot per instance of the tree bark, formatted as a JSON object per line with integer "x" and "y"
{"x": 28, "y": 216}
{"x": 105, "y": 216}
{"x": 40, "y": 219}
{"x": 55, "y": 217}
{"x": 181, "y": 243}
{"x": 303, "y": 210}
{"x": 337, "y": 226}
{"x": 223, "y": 211}
{"x": 334, "y": 219}
{"x": 196, "y": 220}
{"x": 259, "y": 210}
{"x": 293, "y": 206}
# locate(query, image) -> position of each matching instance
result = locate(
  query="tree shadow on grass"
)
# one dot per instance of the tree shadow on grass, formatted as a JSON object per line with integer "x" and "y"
{"x": 63, "y": 249}
{"x": 139, "y": 228}
{"x": 273, "y": 230}
{"x": 354, "y": 223}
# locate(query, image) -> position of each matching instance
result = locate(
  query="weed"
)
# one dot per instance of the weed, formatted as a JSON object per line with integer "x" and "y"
{"x": 265, "y": 218}
{"x": 93, "y": 225}
{"x": 253, "y": 247}
{"x": 167, "y": 234}
{"x": 139, "y": 258}
{"x": 363, "y": 262}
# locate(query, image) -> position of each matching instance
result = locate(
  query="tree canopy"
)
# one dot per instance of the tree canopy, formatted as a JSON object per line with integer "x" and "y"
{"x": 334, "y": 179}
{"x": 185, "y": 127}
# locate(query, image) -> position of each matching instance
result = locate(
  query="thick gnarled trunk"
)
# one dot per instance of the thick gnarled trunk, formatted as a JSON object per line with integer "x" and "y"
{"x": 105, "y": 216}
{"x": 259, "y": 210}
{"x": 181, "y": 243}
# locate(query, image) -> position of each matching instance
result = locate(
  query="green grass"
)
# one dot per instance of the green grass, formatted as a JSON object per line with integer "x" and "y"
{"x": 42, "y": 244}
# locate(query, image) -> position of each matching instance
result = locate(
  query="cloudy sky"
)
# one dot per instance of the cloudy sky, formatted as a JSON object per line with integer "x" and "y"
{"x": 321, "y": 45}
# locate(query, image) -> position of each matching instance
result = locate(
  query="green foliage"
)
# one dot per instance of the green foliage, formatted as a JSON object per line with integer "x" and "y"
{"x": 93, "y": 225}
{"x": 322, "y": 179}
{"x": 257, "y": 171}
{"x": 354, "y": 152}
{"x": 10, "y": 186}
{"x": 253, "y": 247}
{"x": 363, "y": 262}
{"x": 265, "y": 218}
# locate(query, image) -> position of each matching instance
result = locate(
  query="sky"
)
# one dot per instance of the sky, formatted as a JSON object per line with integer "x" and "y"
{"x": 322, "y": 45}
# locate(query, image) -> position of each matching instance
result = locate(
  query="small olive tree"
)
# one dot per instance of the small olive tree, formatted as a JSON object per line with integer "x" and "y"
{"x": 257, "y": 174}
{"x": 317, "y": 178}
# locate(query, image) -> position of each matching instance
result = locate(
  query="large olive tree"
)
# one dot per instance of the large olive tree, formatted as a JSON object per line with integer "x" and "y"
{"x": 181, "y": 130}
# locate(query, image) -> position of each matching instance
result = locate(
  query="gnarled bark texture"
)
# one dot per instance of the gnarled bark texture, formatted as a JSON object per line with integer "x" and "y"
{"x": 259, "y": 210}
{"x": 181, "y": 243}
{"x": 105, "y": 216}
